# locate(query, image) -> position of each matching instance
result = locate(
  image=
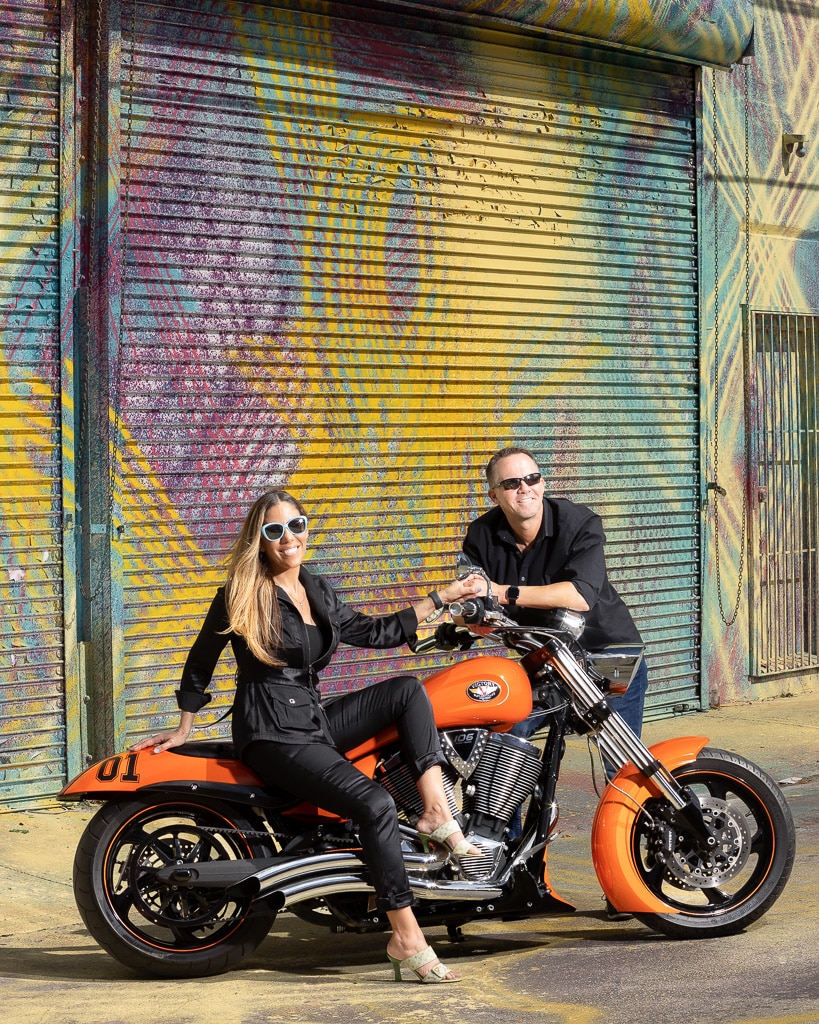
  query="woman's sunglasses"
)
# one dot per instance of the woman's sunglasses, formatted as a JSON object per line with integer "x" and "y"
{"x": 275, "y": 531}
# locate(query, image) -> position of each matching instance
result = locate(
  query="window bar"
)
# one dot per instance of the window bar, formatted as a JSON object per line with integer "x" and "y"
{"x": 804, "y": 425}
{"x": 796, "y": 581}
{"x": 788, "y": 539}
{"x": 776, "y": 455}
{"x": 812, "y": 482}
{"x": 770, "y": 562}
{"x": 763, "y": 637}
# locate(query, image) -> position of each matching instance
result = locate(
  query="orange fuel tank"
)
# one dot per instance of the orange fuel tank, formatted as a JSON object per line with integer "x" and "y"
{"x": 490, "y": 692}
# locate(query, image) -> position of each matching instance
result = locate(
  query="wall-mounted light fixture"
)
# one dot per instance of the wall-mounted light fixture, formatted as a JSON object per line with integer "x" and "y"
{"x": 792, "y": 145}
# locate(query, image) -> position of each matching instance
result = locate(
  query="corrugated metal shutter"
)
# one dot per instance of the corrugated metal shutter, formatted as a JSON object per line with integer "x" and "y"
{"x": 364, "y": 251}
{"x": 32, "y": 697}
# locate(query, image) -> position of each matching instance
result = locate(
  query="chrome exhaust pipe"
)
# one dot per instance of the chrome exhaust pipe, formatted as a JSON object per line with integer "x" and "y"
{"x": 332, "y": 873}
{"x": 427, "y": 889}
{"x": 305, "y": 871}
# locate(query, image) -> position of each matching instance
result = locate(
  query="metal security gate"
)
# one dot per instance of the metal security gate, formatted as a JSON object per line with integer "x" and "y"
{"x": 360, "y": 252}
{"x": 32, "y": 679}
{"x": 784, "y": 446}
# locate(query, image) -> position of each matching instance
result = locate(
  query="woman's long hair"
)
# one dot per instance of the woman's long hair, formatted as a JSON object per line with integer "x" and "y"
{"x": 250, "y": 592}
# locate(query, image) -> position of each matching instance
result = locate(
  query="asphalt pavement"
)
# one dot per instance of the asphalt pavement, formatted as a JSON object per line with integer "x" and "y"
{"x": 574, "y": 969}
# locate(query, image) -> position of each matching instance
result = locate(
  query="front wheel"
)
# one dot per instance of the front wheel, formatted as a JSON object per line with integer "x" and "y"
{"x": 724, "y": 890}
{"x": 147, "y": 924}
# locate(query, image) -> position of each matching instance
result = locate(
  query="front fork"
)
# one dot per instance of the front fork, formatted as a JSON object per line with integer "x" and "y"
{"x": 619, "y": 745}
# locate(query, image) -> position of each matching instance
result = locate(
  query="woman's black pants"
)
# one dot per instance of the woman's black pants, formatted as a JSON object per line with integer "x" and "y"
{"x": 321, "y": 774}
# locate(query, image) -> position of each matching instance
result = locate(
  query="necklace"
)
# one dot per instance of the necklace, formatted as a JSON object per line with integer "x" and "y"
{"x": 302, "y": 604}
{"x": 300, "y": 601}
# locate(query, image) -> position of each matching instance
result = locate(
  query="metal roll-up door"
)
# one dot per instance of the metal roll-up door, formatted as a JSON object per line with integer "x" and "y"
{"x": 32, "y": 685}
{"x": 361, "y": 252}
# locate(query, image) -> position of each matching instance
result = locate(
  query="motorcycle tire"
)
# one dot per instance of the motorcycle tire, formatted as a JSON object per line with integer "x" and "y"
{"x": 723, "y": 892}
{"x": 153, "y": 927}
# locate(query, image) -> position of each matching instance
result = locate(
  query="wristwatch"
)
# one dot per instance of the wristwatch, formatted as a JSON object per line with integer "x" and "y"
{"x": 512, "y": 595}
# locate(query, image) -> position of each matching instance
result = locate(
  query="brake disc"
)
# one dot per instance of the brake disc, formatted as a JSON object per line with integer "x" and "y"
{"x": 690, "y": 868}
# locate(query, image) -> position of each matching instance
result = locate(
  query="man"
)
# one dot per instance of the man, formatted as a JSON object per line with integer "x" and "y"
{"x": 542, "y": 553}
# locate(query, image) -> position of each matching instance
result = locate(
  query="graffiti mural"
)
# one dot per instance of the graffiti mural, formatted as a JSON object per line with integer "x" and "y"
{"x": 32, "y": 689}
{"x": 345, "y": 269}
{"x": 760, "y": 237}
{"x": 352, "y": 258}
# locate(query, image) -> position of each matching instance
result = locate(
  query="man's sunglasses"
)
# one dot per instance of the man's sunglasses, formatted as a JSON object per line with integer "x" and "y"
{"x": 512, "y": 483}
{"x": 275, "y": 531}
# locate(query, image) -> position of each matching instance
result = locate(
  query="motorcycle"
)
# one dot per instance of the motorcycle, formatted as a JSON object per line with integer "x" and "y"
{"x": 189, "y": 860}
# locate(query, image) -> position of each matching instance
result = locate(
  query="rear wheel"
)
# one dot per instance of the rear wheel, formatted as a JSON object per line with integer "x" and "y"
{"x": 724, "y": 889}
{"x": 148, "y": 924}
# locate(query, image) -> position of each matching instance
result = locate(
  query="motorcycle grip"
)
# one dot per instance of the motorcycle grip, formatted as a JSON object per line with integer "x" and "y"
{"x": 451, "y": 637}
{"x": 471, "y": 610}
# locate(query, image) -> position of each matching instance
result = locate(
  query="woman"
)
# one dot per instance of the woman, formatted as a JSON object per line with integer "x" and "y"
{"x": 284, "y": 624}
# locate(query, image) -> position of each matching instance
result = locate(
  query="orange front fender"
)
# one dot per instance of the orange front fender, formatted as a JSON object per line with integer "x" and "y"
{"x": 614, "y": 822}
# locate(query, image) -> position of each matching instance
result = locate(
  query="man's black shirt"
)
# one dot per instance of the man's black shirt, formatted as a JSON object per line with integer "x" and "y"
{"x": 569, "y": 547}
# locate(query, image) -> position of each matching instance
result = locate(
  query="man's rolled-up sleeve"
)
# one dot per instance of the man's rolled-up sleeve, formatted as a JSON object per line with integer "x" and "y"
{"x": 586, "y": 564}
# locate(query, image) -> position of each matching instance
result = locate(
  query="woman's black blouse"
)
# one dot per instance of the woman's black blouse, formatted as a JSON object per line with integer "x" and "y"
{"x": 282, "y": 703}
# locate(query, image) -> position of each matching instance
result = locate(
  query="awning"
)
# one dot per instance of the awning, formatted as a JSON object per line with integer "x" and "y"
{"x": 714, "y": 32}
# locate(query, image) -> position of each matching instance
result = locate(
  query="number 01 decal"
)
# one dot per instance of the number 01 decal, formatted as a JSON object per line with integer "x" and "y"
{"x": 109, "y": 770}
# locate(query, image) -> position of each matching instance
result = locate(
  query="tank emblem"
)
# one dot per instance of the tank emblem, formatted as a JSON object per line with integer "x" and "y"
{"x": 483, "y": 690}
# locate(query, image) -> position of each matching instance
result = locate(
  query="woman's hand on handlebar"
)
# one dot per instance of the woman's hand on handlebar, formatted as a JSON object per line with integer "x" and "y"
{"x": 430, "y": 607}
{"x": 471, "y": 586}
{"x": 482, "y": 587}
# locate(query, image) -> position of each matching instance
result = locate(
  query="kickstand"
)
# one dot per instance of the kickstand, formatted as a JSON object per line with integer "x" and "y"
{"x": 454, "y": 933}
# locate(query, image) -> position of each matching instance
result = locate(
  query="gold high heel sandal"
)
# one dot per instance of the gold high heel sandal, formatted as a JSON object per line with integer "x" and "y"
{"x": 436, "y": 975}
{"x": 463, "y": 848}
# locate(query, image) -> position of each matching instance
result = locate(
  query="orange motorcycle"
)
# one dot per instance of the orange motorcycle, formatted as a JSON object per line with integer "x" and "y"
{"x": 183, "y": 870}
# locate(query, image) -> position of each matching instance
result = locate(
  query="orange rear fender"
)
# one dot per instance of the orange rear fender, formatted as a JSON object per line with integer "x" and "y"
{"x": 614, "y": 822}
{"x": 137, "y": 770}
{"x": 133, "y": 770}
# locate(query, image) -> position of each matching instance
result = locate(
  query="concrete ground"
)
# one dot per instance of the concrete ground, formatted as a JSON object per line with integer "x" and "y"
{"x": 579, "y": 968}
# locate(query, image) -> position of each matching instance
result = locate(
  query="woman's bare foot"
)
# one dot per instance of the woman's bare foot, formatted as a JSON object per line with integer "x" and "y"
{"x": 427, "y": 824}
{"x": 437, "y": 815}
{"x": 407, "y": 939}
{"x": 402, "y": 951}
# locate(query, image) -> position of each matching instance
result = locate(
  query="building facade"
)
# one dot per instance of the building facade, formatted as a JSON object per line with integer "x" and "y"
{"x": 352, "y": 249}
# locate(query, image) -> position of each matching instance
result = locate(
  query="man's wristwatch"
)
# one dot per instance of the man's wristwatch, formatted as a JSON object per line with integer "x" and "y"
{"x": 512, "y": 595}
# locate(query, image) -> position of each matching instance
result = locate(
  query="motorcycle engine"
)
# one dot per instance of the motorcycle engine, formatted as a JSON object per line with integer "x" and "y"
{"x": 497, "y": 773}
{"x": 394, "y": 775}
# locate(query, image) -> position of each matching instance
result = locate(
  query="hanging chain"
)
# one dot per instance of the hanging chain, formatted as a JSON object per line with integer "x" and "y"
{"x": 715, "y": 465}
{"x": 729, "y": 620}
{"x": 747, "y": 326}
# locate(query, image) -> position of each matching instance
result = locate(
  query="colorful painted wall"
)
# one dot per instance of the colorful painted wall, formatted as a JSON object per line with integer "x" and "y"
{"x": 760, "y": 238}
{"x": 399, "y": 244}
{"x": 321, "y": 327}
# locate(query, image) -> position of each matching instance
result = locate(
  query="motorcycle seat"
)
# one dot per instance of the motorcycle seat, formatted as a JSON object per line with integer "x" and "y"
{"x": 224, "y": 750}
